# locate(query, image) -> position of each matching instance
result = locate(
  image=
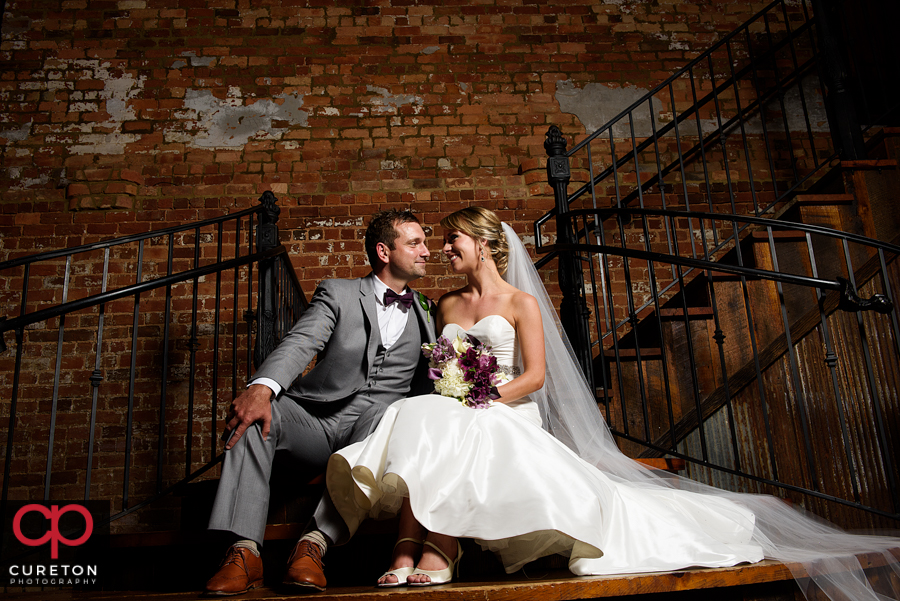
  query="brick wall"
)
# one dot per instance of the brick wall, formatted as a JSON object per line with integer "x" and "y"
{"x": 118, "y": 117}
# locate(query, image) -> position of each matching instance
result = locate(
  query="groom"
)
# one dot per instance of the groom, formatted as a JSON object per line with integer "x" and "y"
{"x": 367, "y": 334}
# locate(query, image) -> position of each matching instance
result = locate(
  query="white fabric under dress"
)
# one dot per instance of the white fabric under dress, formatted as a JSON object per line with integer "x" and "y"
{"x": 496, "y": 476}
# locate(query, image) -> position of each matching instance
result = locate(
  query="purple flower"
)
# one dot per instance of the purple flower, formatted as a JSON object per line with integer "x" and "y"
{"x": 443, "y": 350}
{"x": 434, "y": 373}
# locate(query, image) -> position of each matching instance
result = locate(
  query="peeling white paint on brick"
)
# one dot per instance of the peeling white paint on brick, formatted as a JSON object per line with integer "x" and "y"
{"x": 674, "y": 44}
{"x": 15, "y": 174}
{"x": 387, "y": 165}
{"x": 196, "y": 61}
{"x": 595, "y": 104}
{"x": 330, "y": 110}
{"x": 230, "y": 123}
{"x": 16, "y": 134}
{"x": 430, "y": 49}
{"x": 95, "y": 137}
{"x": 389, "y": 103}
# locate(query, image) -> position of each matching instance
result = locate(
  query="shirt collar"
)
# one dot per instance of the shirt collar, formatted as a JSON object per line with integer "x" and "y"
{"x": 380, "y": 288}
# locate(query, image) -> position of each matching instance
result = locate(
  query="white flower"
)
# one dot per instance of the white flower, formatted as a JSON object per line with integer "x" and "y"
{"x": 451, "y": 383}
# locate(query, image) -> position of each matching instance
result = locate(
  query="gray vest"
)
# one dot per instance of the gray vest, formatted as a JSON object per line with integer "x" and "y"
{"x": 392, "y": 371}
{"x": 391, "y": 374}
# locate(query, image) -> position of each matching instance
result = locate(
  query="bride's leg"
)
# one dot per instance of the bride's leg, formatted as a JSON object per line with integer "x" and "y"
{"x": 406, "y": 553}
{"x": 431, "y": 560}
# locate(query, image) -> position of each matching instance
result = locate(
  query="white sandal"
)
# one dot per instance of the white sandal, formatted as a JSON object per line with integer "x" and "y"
{"x": 440, "y": 576}
{"x": 400, "y": 573}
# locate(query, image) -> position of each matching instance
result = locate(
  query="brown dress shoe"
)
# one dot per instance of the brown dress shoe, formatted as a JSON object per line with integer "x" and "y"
{"x": 240, "y": 571}
{"x": 305, "y": 567}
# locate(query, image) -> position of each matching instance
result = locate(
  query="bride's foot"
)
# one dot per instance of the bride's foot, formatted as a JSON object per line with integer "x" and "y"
{"x": 406, "y": 552}
{"x": 440, "y": 558}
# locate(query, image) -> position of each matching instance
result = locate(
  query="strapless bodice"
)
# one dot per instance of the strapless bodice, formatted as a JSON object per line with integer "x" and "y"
{"x": 492, "y": 330}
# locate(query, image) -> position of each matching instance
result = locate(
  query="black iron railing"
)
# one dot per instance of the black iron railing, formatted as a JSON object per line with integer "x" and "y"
{"x": 757, "y": 359}
{"x": 708, "y": 327}
{"x": 169, "y": 319}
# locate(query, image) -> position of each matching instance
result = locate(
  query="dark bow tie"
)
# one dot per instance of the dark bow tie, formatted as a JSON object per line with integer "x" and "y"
{"x": 404, "y": 299}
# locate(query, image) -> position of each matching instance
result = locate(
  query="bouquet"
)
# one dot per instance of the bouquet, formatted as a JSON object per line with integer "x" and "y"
{"x": 463, "y": 369}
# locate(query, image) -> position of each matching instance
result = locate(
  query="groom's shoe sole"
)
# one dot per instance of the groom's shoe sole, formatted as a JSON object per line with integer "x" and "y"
{"x": 306, "y": 586}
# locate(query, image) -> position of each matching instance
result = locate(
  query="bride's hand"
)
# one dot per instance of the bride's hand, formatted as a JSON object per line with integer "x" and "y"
{"x": 251, "y": 406}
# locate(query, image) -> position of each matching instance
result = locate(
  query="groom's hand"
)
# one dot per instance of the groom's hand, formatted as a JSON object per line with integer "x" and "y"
{"x": 251, "y": 406}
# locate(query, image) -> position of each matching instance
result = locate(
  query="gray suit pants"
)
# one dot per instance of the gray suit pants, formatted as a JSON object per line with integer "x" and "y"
{"x": 309, "y": 434}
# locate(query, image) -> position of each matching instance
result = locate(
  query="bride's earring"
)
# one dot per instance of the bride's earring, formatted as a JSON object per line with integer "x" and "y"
{"x": 482, "y": 254}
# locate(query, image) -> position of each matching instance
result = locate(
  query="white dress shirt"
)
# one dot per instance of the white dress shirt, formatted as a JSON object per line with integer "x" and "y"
{"x": 391, "y": 323}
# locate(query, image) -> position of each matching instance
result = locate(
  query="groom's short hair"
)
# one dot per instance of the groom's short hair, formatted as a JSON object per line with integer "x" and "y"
{"x": 383, "y": 228}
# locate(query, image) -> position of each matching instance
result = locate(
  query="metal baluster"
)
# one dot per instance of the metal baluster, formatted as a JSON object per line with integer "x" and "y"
{"x": 654, "y": 293}
{"x": 737, "y": 100}
{"x": 217, "y": 321}
{"x": 54, "y": 402}
{"x": 883, "y": 445}
{"x": 132, "y": 374}
{"x": 702, "y": 146}
{"x": 792, "y": 362}
{"x": 235, "y": 313}
{"x": 722, "y": 137}
{"x": 812, "y": 142}
{"x": 14, "y": 396}
{"x": 831, "y": 360}
{"x": 193, "y": 345}
{"x": 249, "y": 316}
{"x": 161, "y": 437}
{"x": 762, "y": 119}
{"x": 787, "y": 127}
{"x": 96, "y": 378}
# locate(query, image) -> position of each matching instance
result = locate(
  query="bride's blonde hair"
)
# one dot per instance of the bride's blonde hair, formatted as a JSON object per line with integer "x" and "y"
{"x": 483, "y": 225}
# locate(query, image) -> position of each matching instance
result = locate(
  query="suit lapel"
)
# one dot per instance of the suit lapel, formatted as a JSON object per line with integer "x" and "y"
{"x": 426, "y": 320}
{"x": 367, "y": 302}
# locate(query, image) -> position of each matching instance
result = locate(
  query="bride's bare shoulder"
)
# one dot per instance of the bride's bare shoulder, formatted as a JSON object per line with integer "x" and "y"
{"x": 524, "y": 305}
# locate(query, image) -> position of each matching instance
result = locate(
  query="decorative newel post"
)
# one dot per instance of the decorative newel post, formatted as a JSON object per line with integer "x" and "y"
{"x": 266, "y": 239}
{"x": 573, "y": 311}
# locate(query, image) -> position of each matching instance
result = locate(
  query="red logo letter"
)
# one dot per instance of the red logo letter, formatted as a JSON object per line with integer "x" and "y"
{"x": 53, "y": 514}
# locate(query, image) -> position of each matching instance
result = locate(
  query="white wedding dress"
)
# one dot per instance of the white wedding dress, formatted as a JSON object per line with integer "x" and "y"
{"x": 496, "y": 476}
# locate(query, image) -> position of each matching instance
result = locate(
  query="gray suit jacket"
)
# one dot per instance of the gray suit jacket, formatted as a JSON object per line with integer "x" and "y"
{"x": 340, "y": 326}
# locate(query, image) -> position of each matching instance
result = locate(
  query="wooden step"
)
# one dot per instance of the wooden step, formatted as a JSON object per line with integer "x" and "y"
{"x": 631, "y": 354}
{"x": 735, "y": 583}
{"x": 835, "y": 211}
{"x": 779, "y": 235}
{"x": 819, "y": 200}
{"x": 692, "y": 313}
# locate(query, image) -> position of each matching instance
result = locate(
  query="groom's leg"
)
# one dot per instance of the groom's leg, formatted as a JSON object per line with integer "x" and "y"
{"x": 358, "y": 421}
{"x": 242, "y": 499}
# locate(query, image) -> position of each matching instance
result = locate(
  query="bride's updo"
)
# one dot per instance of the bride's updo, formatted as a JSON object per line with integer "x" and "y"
{"x": 481, "y": 224}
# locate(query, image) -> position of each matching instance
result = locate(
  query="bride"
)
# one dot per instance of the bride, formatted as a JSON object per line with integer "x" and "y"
{"x": 537, "y": 471}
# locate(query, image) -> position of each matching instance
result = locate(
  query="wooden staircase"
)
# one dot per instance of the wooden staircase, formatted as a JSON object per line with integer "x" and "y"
{"x": 707, "y": 319}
